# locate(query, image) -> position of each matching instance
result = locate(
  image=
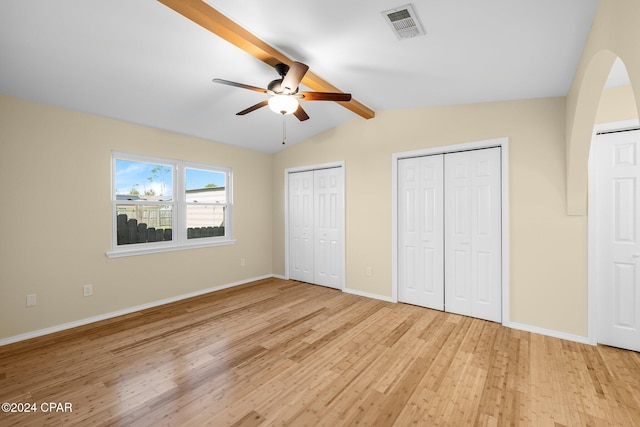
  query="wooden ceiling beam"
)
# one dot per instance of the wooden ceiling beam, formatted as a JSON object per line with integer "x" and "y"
{"x": 209, "y": 18}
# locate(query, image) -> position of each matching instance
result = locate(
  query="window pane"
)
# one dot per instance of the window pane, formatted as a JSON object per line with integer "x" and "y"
{"x": 205, "y": 186}
{"x": 144, "y": 223}
{"x": 205, "y": 221}
{"x": 143, "y": 181}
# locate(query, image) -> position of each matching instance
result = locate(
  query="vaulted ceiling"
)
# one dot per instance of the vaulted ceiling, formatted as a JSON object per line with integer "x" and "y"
{"x": 142, "y": 62}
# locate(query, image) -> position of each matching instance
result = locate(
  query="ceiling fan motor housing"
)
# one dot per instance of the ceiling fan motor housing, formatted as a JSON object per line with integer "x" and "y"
{"x": 282, "y": 69}
{"x": 275, "y": 86}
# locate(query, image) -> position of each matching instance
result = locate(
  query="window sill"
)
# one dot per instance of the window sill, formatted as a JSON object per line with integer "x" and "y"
{"x": 131, "y": 251}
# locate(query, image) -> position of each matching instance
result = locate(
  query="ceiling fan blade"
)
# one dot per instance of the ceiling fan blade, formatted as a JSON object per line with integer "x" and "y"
{"x": 294, "y": 76}
{"x": 325, "y": 96}
{"x": 253, "y": 108}
{"x": 240, "y": 85}
{"x": 301, "y": 114}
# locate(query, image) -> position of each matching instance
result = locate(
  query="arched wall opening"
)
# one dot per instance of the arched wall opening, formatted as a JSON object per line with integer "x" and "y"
{"x": 614, "y": 33}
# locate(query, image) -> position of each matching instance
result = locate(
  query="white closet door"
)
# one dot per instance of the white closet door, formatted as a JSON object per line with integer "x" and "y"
{"x": 420, "y": 231}
{"x": 301, "y": 226}
{"x": 473, "y": 234}
{"x": 328, "y": 185}
{"x": 618, "y": 206}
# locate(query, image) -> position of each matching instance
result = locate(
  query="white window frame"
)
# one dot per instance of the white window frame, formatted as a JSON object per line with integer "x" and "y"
{"x": 179, "y": 218}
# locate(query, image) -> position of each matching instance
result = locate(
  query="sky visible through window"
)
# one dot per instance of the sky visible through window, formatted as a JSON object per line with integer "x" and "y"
{"x": 156, "y": 179}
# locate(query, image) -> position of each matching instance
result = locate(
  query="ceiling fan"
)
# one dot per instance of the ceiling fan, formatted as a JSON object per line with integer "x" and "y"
{"x": 284, "y": 92}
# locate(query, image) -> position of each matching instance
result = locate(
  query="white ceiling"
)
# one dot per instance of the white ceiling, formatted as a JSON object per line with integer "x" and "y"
{"x": 141, "y": 62}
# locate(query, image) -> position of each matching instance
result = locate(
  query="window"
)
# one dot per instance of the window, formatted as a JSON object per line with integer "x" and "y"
{"x": 164, "y": 204}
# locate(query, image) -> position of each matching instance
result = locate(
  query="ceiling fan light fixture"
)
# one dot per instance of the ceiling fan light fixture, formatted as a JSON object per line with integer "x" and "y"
{"x": 283, "y": 104}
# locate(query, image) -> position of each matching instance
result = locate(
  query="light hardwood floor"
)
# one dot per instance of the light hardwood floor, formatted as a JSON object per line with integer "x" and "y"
{"x": 278, "y": 352}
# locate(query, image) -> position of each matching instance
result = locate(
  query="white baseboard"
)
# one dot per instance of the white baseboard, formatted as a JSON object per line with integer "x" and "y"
{"x": 368, "y": 295}
{"x": 513, "y": 325}
{"x": 89, "y": 320}
{"x": 93, "y": 319}
{"x": 549, "y": 332}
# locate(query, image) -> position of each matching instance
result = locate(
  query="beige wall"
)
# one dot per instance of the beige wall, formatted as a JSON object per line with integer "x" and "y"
{"x": 616, "y": 104}
{"x": 547, "y": 247}
{"x": 54, "y": 171}
{"x": 55, "y": 174}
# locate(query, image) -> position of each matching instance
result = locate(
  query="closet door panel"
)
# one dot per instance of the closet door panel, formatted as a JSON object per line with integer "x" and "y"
{"x": 473, "y": 265}
{"x": 328, "y": 227}
{"x": 486, "y": 235}
{"x": 420, "y": 232}
{"x": 301, "y": 231}
{"x": 616, "y": 159}
{"x": 457, "y": 240}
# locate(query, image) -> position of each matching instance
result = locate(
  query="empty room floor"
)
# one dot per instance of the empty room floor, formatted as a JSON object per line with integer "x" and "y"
{"x": 277, "y": 352}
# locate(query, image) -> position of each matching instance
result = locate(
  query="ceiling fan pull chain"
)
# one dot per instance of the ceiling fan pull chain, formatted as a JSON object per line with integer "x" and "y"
{"x": 284, "y": 129}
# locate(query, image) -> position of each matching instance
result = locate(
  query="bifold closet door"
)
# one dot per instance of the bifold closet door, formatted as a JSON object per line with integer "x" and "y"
{"x": 473, "y": 228}
{"x": 450, "y": 232}
{"x": 420, "y": 231}
{"x": 316, "y": 216}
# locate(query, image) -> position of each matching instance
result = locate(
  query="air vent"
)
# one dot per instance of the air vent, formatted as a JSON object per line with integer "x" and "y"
{"x": 404, "y": 22}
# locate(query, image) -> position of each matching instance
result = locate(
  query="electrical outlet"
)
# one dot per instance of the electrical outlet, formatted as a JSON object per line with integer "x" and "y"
{"x": 369, "y": 271}
{"x": 243, "y": 262}
{"x": 31, "y": 300}
{"x": 87, "y": 290}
